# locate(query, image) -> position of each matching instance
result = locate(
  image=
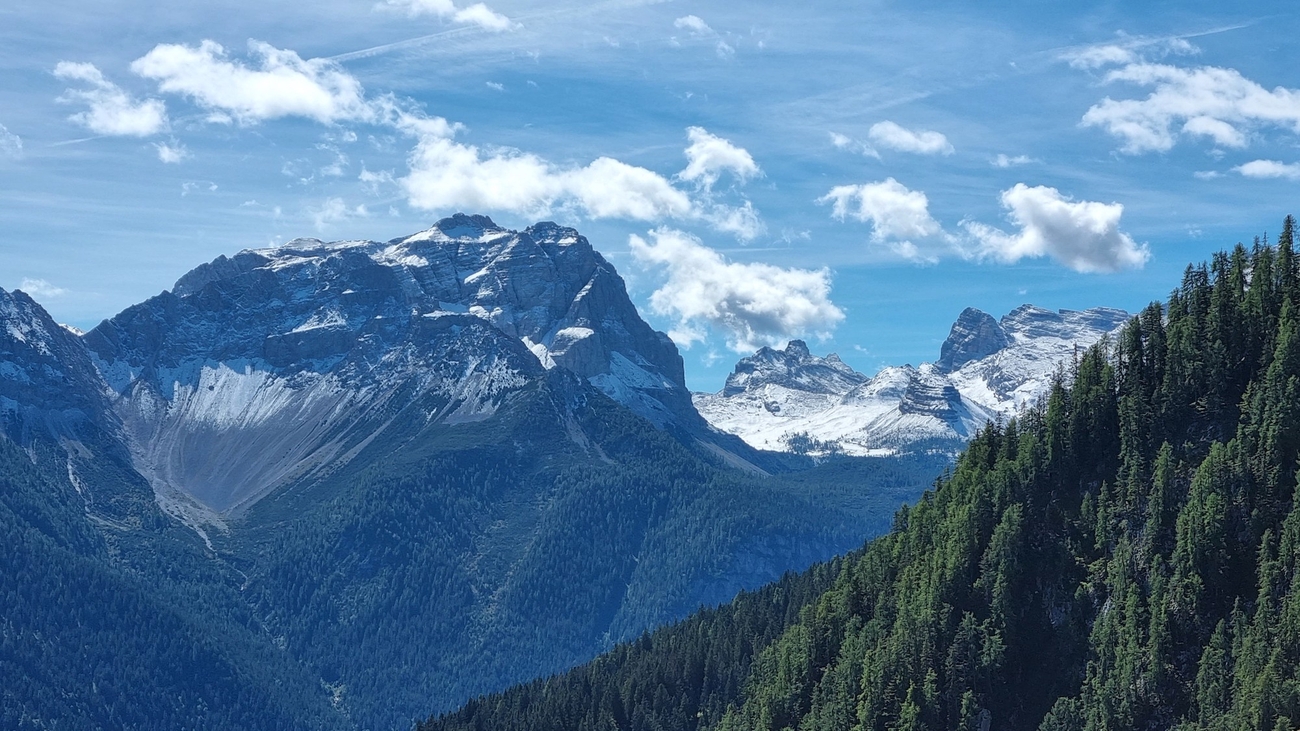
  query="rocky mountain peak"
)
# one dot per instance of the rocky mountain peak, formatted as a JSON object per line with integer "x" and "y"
{"x": 1036, "y": 322}
{"x": 793, "y": 367}
{"x": 48, "y": 385}
{"x": 788, "y": 399}
{"x": 272, "y": 364}
{"x": 974, "y": 335}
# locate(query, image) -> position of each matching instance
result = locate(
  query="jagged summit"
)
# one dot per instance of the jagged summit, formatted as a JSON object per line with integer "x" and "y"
{"x": 974, "y": 335}
{"x": 272, "y": 364}
{"x": 47, "y": 383}
{"x": 794, "y": 367}
{"x": 788, "y": 400}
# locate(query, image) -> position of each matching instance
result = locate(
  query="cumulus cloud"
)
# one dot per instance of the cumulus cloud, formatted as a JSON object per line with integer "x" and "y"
{"x": 282, "y": 84}
{"x": 112, "y": 110}
{"x": 172, "y": 153}
{"x": 694, "y": 25}
{"x": 752, "y": 304}
{"x": 11, "y": 145}
{"x": 1269, "y": 169}
{"x": 1084, "y": 235}
{"x": 477, "y": 14}
{"x": 40, "y": 288}
{"x": 708, "y": 156}
{"x": 445, "y": 175}
{"x": 896, "y": 213}
{"x": 896, "y": 137}
{"x": 1207, "y": 101}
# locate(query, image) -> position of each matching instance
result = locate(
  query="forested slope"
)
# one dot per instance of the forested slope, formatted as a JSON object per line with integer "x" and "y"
{"x": 1123, "y": 556}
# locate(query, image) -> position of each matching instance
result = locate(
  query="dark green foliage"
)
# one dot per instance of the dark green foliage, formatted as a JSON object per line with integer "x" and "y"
{"x": 446, "y": 571}
{"x": 1125, "y": 556}
{"x": 114, "y": 618}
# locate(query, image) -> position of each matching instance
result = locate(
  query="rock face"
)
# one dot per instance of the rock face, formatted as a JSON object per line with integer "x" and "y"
{"x": 975, "y": 335}
{"x": 793, "y": 401}
{"x": 793, "y": 368}
{"x": 48, "y": 384}
{"x": 276, "y": 364}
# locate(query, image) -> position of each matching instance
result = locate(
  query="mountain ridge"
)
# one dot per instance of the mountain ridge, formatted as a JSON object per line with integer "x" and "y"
{"x": 790, "y": 400}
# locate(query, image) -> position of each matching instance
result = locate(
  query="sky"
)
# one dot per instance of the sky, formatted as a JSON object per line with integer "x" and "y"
{"x": 854, "y": 174}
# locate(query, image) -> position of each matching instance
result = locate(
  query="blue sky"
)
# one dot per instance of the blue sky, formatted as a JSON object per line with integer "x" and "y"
{"x": 851, "y": 173}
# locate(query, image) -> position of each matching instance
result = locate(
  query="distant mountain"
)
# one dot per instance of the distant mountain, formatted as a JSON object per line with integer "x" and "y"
{"x": 390, "y": 473}
{"x": 790, "y": 400}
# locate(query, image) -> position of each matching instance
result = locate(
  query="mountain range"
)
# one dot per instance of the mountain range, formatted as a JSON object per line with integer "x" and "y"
{"x": 392, "y": 475}
{"x": 792, "y": 401}
{"x": 347, "y": 484}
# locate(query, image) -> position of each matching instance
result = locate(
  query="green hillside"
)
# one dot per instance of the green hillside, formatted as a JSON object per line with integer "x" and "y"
{"x": 1124, "y": 556}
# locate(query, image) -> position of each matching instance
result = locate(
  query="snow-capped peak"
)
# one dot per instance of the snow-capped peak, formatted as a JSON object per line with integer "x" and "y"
{"x": 791, "y": 400}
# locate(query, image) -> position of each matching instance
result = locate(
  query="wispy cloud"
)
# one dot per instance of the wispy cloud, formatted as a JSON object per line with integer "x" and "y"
{"x": 40, "y": 288}
{"x": 1006, "y": 161}
{"x": 478, "y": 14}
{"x": 171, "y": 153}
{"x": 112, "y": 110}
{"x": 334, "y": 211}
{"x": 11, "y": 145}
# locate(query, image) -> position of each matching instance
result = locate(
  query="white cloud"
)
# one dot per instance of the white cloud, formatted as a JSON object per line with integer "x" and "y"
{"x": 896, "y": 137}
{"x": 1127, "y": 50}
{"x": 41, "y": 288}
{"x": 374, "y": 181}
{"x": 752, "y": 304}
{"x": 334, "y": 211}
{"x": 1269, "y": 169}
{"x": 1207, "y": 101}
{"x": 1094, "y": 57}
{"x": 741, "y": 221}
{"x": 694, "y": 25}
{"x": 724, "y": 50}
{"x": 282, "y": 84}
{"x": 447, "y": 175}
{"x": 1084, "y": 235}
{"x": 477, "y": 14}
{"x": 1207, "y": 174}
{"x": 191, "y": 186}
{"x": 11, "y": 145}
{"x": 172, "y": 153}
{"x": 895, "y": 212}
{"x": 844, "y": 142}
{"x": 708, "y": 156}
{"x": 609, "y": 188}
{"x": 495, "y": 85}
{"x": 112, "y": 110}
{"x": 1005, "y": 161}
